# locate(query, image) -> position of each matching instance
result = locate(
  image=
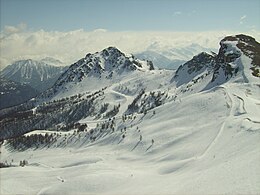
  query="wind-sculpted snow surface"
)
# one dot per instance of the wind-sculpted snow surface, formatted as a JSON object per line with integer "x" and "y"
{"x": 147, "y": 132}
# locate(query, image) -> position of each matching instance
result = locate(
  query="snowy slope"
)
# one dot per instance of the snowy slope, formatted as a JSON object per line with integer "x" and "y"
{"x": 191, "y": 151}
{"x": 195, "y": 137}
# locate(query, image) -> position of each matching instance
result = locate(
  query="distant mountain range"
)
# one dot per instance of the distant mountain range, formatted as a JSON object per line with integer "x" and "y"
{"x": 52, "y": 61}
{"x": 167, "y": 57}
{"x": 25, "y": 79}
{"x": 40, "y": 75}
{"x": 179, "y": 53}
{"x": 160, "y": 61}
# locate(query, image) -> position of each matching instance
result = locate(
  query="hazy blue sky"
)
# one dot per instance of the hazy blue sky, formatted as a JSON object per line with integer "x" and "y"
{"x": 132, "y": 15}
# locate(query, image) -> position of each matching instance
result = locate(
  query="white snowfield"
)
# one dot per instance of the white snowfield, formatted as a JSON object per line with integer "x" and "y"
{"x": 201, "y": 142}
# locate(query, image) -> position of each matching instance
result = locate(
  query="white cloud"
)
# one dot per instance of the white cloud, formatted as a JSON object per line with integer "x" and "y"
{"x": 177, "y": 13}
{"x": 14, "y": 29}
{"x": 73, "y": 45}
{"x": 193, "y": 12}
{"x": 100, "y": 30}
{"x": 242, "y": 18}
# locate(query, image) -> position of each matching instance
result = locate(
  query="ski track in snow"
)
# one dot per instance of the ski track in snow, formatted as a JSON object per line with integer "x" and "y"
{"x": 237, "y": 108}
{"x": 222, "y": 126}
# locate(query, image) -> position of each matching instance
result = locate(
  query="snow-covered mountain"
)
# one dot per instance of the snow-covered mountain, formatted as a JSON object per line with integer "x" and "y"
{"x": 52, "y": 61}
{"x": 168, "y": 57}
{"x": 197, "y": 66}
{"x": 141, "y": 131}
{"x": 237, "y": 60}
{"x": 37, "y": 74}
{"x": 13, "y": 93}
{"x": 183, "y": 53}
{"x": 159, "y": 60}
{"x": 96, "y": 71}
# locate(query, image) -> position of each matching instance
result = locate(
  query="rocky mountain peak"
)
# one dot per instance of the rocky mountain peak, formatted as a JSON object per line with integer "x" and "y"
{"x": 202, "y": 57}
{"x": 238, "y": 58}
{"x": 107, "y": 61}
{"x": 108, "y": 64}
{"x": 111, "y": 51}
{"x": 228, "y": 51}
{"x": 198, "y": 62}
{"x": 199, "y": 65}
{"x": 232, "y": 47}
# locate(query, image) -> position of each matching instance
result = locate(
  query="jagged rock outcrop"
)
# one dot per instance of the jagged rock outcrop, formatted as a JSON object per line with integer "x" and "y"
{"x": 238, "y": 58}
{"x": 231, "y": 49}
{"x": 199, "y": 64}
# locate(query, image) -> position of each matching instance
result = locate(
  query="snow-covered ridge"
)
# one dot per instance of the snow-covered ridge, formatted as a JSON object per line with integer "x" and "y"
{"x": 199, "y": 64}
{"x": 97, "y": 70}
{"x": 110, "y": 60}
